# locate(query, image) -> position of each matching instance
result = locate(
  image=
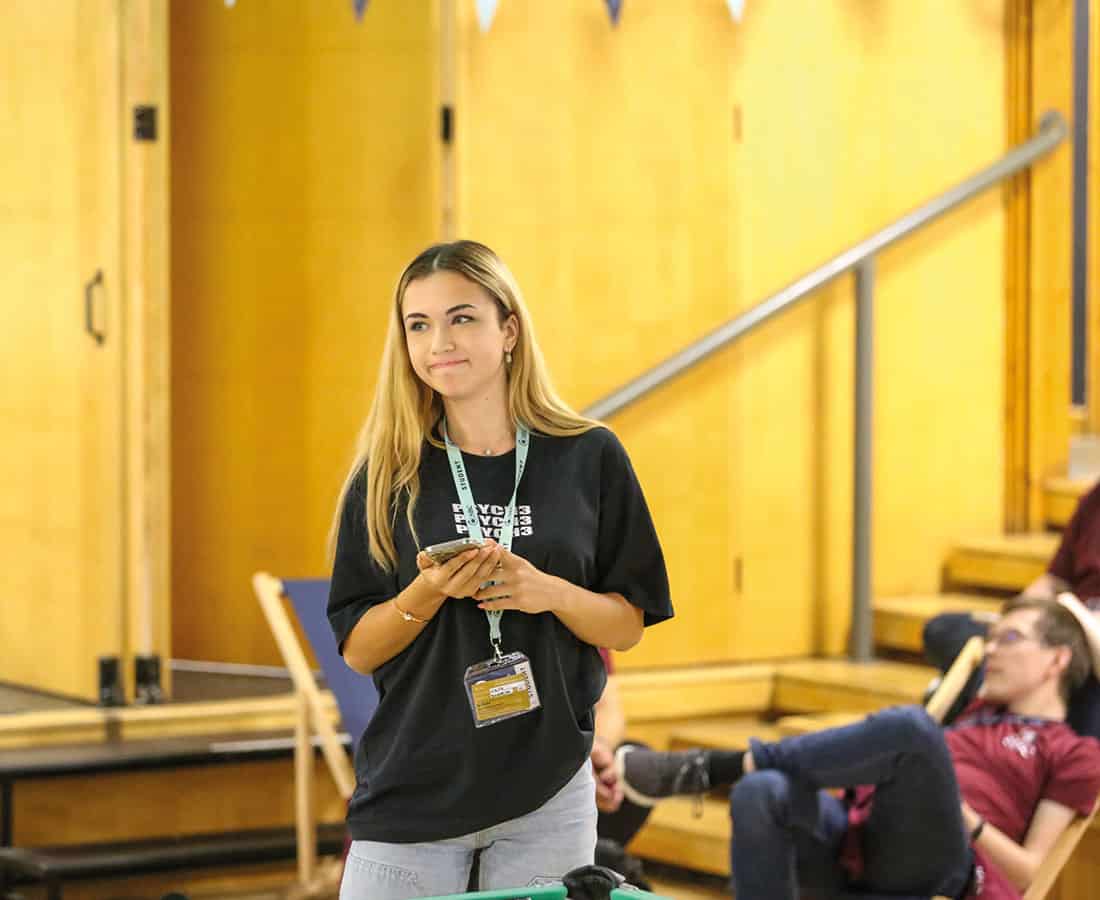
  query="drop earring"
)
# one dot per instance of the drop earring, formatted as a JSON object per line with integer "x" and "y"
{"x": 507, "y": 357}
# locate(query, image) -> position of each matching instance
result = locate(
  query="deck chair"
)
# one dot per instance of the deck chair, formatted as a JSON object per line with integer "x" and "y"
{"x": 938, "y": 705}
{"x": 355, "y": 696}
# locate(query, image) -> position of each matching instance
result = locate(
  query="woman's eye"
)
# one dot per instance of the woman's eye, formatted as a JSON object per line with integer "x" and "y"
{"x": 461, "y": 319}
{"x": 417, "y": 326}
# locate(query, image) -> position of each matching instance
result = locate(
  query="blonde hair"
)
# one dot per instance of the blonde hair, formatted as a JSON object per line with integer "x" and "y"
{"x": 405, "y": 410}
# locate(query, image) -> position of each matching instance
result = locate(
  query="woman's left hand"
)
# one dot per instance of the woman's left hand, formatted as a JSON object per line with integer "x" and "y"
{"x": 519, "y": 585}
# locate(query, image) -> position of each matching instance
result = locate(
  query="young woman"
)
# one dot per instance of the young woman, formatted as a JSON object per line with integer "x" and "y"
{"x": 486, "y": 664}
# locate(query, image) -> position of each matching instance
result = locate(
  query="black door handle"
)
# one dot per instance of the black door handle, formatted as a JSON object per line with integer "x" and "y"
{"x": 89, "y": 302}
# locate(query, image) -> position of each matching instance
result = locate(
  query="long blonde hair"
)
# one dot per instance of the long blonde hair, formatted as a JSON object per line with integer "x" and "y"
{"x": 405, "y": 410}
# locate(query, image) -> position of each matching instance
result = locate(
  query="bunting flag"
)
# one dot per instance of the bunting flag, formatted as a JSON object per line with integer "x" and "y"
{"x": 614, "y": 7}
{"x": 486, "y": 11}
{"x": 737, "y": 10}
{"x": 360, "y": 8}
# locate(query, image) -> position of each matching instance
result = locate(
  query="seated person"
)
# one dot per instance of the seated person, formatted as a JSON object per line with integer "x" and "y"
{"x": 1075, "y": 568}
{"x": 970, "y": 811}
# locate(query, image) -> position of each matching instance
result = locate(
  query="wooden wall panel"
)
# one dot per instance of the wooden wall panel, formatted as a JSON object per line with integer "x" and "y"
{"x": 649, "y": 181}
{"x": 303, "y": 178}
{"x": 1017, "y": 193}
{"x": 1051, "y": 254}
{"x": 148, "y": 339}
{"x": 180, "y": 801}
{"x": 1093, "y": 278}
{"x": 61, "y": 509}
{"x": 890, "y": 131}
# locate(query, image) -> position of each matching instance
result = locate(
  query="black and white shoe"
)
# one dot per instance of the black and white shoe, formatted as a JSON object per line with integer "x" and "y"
{"x": 651, "y": 775}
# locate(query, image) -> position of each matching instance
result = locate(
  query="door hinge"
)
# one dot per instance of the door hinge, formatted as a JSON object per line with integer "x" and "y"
{"x": 145, "y": 123}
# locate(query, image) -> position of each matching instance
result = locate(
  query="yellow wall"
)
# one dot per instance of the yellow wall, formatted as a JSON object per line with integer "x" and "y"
{"x": 1093, "y": 277}
{"x": 303, "y": 177}
{"x": 647, "y": 182}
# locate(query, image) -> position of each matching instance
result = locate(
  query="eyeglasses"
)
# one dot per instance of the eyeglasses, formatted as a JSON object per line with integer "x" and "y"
{"x": 1010, "y": 637}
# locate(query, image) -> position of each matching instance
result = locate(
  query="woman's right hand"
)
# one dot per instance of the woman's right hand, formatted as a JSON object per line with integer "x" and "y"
{"x": 462, "y": 575}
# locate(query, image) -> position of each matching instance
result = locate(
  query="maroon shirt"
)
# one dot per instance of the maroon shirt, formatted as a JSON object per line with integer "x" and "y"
{"x": 1004, "y": 764}
{"x": 1078, "y": 558}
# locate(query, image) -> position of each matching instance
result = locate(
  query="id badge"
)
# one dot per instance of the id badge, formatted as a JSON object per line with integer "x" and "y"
{"x": 500, "y": 689}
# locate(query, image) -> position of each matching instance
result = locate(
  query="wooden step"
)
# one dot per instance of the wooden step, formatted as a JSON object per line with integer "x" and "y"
{"x": 676, "y": 833}
{"x": 900, "y": 621}
{"x": 730, "y": 733}
{"x": 789, "y": 726}
{"x": 655, "y": 695}
{"x": 97, "y": 724}
{"x": 1060, "y": 496}
{"x": 1006, "y": 563}
{"x": 839, "y": 685}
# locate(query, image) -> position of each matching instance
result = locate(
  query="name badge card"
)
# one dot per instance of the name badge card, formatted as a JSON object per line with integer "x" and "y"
{"x": 500, "y": 689}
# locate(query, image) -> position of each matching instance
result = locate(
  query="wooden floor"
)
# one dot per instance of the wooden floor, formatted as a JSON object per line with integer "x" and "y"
{"x": 679, "y": 889}
{"x": 191, "y": 684}
{"x": 16, "y": 699}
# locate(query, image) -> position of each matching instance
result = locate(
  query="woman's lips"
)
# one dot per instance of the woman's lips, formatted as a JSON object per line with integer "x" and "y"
{"x": 446, "y": 365}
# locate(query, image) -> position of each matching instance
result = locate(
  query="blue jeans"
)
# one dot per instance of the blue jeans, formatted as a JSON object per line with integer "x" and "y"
{"x": 538, "y": 848}
{"x": 787, "y": 831}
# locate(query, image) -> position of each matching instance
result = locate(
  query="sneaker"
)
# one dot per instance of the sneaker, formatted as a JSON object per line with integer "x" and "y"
{"x": 648, "y": 775}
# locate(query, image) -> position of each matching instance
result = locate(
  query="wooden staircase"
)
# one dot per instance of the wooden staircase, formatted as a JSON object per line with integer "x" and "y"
{"x": 1007, "y": 563}
{"x": 772, "y": 701}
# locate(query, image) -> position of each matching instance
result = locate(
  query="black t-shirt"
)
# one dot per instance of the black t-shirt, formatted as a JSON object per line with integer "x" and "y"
{"x": 424, "y": 771}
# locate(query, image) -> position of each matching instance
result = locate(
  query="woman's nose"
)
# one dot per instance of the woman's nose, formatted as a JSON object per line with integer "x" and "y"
{"x": 442, "y": 341}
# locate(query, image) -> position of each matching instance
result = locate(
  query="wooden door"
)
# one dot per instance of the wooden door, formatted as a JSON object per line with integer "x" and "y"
{"x": 61, "y": 540}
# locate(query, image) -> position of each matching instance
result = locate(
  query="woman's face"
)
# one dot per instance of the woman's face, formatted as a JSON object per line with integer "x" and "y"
{"x": 454, "y": 335}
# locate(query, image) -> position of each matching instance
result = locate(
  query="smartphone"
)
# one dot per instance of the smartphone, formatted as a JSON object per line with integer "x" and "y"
{"x": 440, "y": 553}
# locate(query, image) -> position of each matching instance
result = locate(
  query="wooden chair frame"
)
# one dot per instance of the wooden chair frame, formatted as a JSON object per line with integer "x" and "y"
{"x": 938, "y": 705}
{"x": 313, "y": 719}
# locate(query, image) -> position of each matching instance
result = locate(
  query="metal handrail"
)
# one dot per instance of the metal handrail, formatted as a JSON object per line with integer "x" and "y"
{"x": 860, "y": 257}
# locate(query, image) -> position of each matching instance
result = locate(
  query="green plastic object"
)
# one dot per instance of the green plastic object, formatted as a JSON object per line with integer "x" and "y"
{"x": 547, "y": 892}
{"x": 635, "y": 894}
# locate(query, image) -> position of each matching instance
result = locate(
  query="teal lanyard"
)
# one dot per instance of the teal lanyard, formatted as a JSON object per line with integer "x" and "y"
{"x": 469, "y": 509}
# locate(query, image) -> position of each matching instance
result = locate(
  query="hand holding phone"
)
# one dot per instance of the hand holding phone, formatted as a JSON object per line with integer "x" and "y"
{"x": 464, "y": 572}
{"x": 440, "y": 553}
